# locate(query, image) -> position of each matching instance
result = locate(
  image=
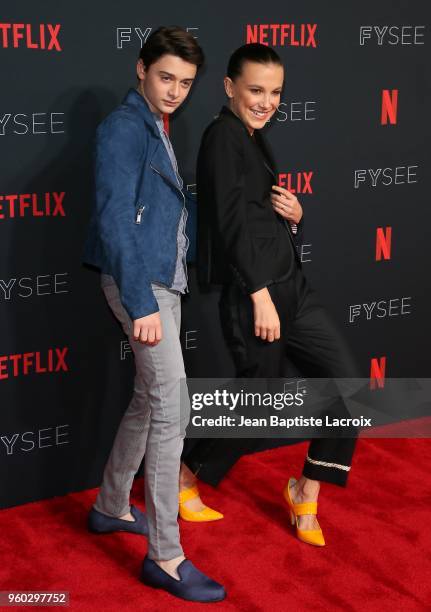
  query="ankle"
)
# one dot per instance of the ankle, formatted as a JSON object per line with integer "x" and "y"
{"x": 307, "y": 488}
{"x": 170, "y": 566}
{"x": 127, "y": 517}
{"x": 187, "y": 478}
{"x": 186, "y": 483}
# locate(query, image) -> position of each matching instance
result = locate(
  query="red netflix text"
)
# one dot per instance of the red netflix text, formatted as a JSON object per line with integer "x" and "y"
{"x": 32, "y": 205}
{"x": 39, "y": 362}
{"x": 389, "y": 107}
{"x": 43, "y": 36}
{"x": 383, "y": 243}
{"x": 282, "y": 34}
{"x": 296, "y": 182}
{"x": 377, "y": 372}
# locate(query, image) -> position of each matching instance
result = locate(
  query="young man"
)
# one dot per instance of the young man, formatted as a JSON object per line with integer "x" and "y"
{"x": 137, "y": 238}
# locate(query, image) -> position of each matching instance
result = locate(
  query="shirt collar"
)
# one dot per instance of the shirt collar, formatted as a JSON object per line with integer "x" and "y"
{"x": 227, "y": 112}
{"x": 134, "y": 99}
{"x": 159, "y": 121}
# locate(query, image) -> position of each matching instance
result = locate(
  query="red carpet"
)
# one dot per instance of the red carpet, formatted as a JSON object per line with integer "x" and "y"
{"x": 377, "y": 532}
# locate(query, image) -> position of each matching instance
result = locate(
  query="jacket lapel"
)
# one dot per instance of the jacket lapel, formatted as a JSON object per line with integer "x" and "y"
{"x": 268, "y": 160}
{"x": 269, "y": 163}
{"x": 161, "y": 163}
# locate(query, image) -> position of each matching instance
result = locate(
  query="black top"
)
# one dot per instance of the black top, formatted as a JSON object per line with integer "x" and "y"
{"x": 240, "y": 235}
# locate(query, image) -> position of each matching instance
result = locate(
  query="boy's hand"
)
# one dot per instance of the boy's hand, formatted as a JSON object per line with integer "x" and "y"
{"x": 148, "y": 330}
{"x": 266, "y": 320}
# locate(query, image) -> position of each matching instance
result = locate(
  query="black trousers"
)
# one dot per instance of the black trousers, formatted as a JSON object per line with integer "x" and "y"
{"x": 312, "y": 342}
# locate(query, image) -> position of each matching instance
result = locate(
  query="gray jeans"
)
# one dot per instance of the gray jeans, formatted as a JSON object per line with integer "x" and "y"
{"x": 152, "y": 425}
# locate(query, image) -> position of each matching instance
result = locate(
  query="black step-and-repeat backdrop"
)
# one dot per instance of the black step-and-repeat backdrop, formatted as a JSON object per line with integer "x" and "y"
{"x": 350, "y": 137}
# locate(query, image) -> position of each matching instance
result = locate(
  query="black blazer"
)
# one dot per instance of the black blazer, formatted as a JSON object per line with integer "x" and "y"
{"x": 240, "y": 236}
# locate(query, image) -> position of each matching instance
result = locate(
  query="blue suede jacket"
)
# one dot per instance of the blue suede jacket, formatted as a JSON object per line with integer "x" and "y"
{"x": 138, "y": 204}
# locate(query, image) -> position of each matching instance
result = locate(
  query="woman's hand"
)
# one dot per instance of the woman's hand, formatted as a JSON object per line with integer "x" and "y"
{"x": 286, "y": 204}
{"x": 266, "y": 321}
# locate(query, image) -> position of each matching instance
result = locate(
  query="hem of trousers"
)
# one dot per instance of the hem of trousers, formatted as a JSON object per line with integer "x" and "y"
{"x": 325, "y": 474}
{"x": 177, "y": 552}
{"x": 102, "y": 510}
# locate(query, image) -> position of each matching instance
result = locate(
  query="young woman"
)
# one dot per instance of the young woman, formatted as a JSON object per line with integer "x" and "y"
{"x": 247, "y": 226}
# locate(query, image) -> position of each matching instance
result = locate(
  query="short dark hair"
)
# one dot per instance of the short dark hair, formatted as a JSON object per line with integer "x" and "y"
{"x": 254, "y": 52}
{"x": 171, "y": 40}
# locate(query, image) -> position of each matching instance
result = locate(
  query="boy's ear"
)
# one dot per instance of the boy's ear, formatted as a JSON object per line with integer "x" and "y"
{"x": 140, "y": 69}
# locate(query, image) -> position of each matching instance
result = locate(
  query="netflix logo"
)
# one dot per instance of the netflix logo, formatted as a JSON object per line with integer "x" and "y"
{"x": 389, "y": 107}
{"x": 383, "y": 243}
{"x": 42, "y": 37}
{"x": 51, "y": 361}
{"x": 377, "y": 372}
{"x": 15, "y": 206}
{"x": 296, "y": 182}
{"x": 282, "y": 34}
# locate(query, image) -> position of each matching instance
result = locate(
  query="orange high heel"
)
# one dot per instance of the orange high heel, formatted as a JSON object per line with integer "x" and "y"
{"x": 196, "y": 516}
{"x": 310, "y": 536}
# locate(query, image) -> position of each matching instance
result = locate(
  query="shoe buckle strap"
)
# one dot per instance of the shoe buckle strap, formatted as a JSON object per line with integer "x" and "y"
{"x": 305, "y": 508}
{"x": 187, "y": 494}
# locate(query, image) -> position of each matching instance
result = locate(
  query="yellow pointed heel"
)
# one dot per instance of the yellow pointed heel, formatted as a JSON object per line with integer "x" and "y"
{"x": 201, "y": 516}
{"x": 310, "y": 536}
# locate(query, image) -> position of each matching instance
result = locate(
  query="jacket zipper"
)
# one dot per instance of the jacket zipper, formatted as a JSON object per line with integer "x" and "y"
{"x": 178, "y": 224}
{"x": 139, "y": 214}
{"x": 166, "y": 179}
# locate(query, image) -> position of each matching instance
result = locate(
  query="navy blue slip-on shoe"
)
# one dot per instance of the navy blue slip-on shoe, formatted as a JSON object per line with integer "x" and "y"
{"x": 101, "y": 523}
{"x": 193, "y": 586}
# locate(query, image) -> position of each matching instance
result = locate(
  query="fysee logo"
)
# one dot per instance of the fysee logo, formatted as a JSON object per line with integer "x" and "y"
{"x": 43, "y": 37}
{"x": 36, "y": 123}
{"x": 27, "y": 286}
{"x": 296, "y": 111}
{"x": 190, "y": 342}
{"x": 380, "y": 309}
{"x": 392, "y": 35}
{"x": 42, "y": 438}
{"x": 124, "y": 35}
{"x": 374, "y": 177}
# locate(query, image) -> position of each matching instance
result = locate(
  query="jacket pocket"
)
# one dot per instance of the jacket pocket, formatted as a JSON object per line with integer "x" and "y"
{"x": 264, "y": 234}
{"x": 264, "y": 230}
